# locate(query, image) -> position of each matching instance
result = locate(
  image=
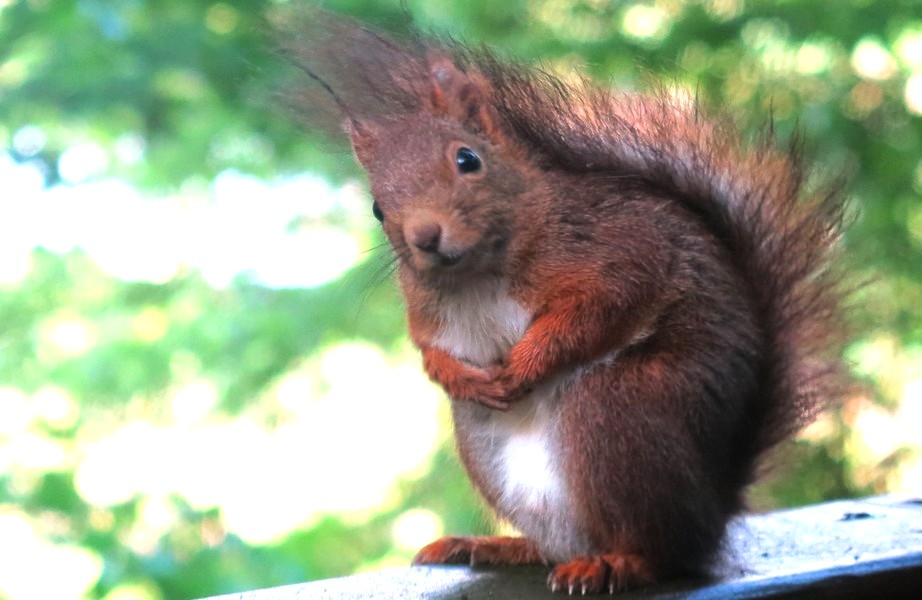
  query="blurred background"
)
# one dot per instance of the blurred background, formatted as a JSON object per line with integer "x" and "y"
{"x": 205, "y": 381}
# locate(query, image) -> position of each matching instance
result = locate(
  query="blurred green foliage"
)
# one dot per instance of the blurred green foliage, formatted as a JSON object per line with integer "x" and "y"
{"x": 176, "y": 92}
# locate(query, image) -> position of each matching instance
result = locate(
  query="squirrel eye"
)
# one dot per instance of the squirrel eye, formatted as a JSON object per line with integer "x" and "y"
{"x": 376, "y": 211}
{"x": 467, "y": 160}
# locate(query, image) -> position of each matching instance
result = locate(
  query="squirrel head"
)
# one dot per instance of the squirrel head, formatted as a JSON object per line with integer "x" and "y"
{"x": 452, "y": 187}
{"x": 446, "y": 182}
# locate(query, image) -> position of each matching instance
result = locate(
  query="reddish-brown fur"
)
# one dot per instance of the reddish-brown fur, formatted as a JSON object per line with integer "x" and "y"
{"x": 679, "y": 310}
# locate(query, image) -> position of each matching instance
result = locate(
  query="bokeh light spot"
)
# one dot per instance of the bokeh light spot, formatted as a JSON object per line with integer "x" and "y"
{"x": 69, "y": 335}
{"x": 54, "y": 570}
{"x": 644, "y": 21}
{"x": 871, "y": 60}
{"x": 81, "y": 162}
{"x": 912, "y": 94}
{"x": 15, "y": 411}
{"x": 415, "y": 528}
{"x": 221, "y": 18}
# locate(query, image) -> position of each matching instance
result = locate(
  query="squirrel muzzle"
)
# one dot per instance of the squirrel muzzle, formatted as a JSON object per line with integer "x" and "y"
{"x": 438, "y": 241}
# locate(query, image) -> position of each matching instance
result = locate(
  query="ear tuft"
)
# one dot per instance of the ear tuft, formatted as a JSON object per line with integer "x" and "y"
{"x": 461, "y": 95}
{"x": 364, "y": 138}
{"x": 445, "y": 78}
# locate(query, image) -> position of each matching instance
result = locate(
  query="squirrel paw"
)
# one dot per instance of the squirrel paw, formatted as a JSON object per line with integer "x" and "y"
{"x": 479, "y": 551}
{"x": 491, "y": 389}
{"x": 594, "y": 574}
{"x": 490, "y": 386}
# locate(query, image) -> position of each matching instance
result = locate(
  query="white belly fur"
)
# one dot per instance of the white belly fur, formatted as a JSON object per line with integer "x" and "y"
{"x": 517, "y": 452}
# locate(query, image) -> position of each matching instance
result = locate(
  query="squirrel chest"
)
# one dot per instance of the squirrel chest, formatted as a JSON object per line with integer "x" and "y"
{"x": 514, "y": 457}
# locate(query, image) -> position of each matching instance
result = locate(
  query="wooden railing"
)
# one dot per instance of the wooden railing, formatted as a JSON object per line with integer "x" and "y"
{"x": 869, "y": 548}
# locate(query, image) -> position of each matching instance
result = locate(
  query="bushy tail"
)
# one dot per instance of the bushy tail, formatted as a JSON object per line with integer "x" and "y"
{"x": 756, "y": 200}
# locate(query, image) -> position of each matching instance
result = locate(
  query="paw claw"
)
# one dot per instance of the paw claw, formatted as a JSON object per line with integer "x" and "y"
{"x": 595, "y": 574}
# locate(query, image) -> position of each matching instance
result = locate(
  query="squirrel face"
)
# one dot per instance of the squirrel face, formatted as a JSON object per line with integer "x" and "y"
{"x": 445, "y": 192}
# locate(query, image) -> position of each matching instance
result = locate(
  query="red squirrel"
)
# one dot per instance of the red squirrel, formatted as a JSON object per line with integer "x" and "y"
{"x": 626, "y": 304}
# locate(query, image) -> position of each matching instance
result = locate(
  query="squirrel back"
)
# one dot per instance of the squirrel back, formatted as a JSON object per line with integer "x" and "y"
{"x": 628, "y": 306}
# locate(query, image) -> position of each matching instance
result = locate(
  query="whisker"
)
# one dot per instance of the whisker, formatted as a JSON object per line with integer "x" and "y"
{"x": 379, "y": 268}
{"x": 375, "y": 248}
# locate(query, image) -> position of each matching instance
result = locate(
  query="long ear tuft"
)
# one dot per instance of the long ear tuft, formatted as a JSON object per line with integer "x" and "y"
{"x": 355, "y": 75}
{"x": 364, "y": 139}
{"x": 460, "y": 95}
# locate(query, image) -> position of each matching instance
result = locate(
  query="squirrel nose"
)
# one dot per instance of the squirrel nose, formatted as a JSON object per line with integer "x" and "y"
{"x": 426, "y": 236}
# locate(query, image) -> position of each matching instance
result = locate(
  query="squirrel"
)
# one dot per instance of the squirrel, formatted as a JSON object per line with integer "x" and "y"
{"x": 627, "y": 304}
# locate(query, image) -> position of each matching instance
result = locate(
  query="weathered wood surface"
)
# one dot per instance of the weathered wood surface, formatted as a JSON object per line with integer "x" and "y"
{"x": 849, "y": 549}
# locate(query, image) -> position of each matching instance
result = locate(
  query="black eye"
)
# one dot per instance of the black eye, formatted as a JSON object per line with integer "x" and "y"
{"x": 376, "y": 211}
{"x": 467, "y": 160}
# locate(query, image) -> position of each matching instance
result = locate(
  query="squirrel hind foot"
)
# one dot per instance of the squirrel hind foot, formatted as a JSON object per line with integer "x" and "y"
{"x": 481, "y": 550}
{"x": 605, "y": 572}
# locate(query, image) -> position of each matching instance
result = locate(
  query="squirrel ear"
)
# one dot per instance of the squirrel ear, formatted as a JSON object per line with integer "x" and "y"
{"x": 461, "y": 95}
{"x": 364, "y": 139}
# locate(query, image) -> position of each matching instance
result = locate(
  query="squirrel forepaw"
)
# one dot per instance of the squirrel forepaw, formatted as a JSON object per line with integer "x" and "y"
{"x": 492, "y": 386}
{"x": 490, "y": 390}
{"x": 489, "y": 386}
{"x": 500, "y": 390}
